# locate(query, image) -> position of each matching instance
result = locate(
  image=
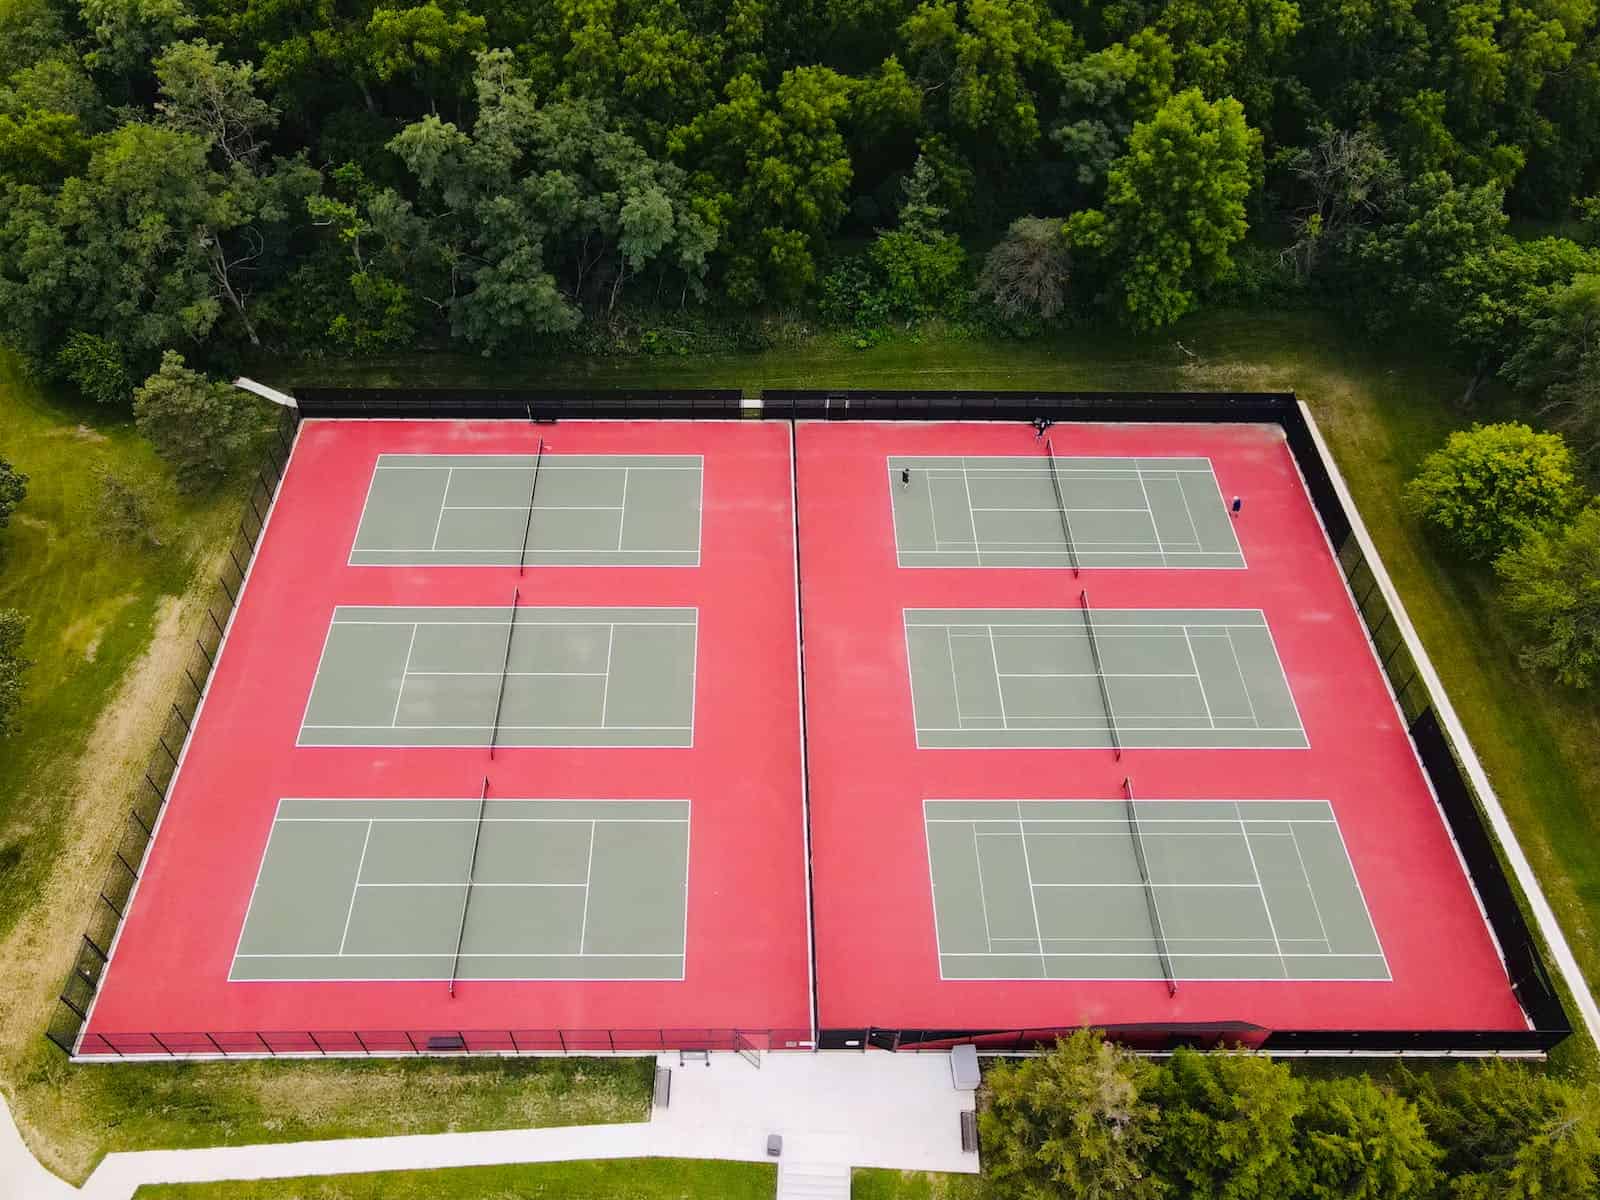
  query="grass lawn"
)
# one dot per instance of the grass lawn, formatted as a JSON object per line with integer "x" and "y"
{"x": 111, "y": 626}
{"x": 915, "y": 1185}
{"x": 620, "y": 1179}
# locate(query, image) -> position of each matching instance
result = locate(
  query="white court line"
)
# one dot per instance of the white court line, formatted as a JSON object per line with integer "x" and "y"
{"x": 972, "y": 519}
{"x": 605, "y": 690}
{"x": 400, "y": 692}
{"x": 1310, "y": 887}
{"x": 1151, "y": 510}
{"x": 1266, "y": 904}
{"x": 983, "y": 899}
{"x": 1027, "y": 866}
{"x": 622, "y": 521}
{"x": 1244, "y": 684}
{"x": 350, "y": 911}
{"x": 955, "y": 678}
{"x": 1199, "y": 678}
{"x": 999, "y": 688}
{"x": 443, "y": 500}
{"x": 588, "y": 877}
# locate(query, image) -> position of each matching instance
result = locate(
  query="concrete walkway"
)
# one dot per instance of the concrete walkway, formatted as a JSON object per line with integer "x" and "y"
{"x": 864, "y": 1110}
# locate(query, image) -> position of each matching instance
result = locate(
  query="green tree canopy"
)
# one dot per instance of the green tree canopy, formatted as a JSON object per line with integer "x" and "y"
{"x": 13, "y": 489}
{"x": 1490, "y": 486}
{"x": 197, "y": 425}
{"x": 1073, "y": 1122}
{"x": 1552, "y": 590}
{"x": 1175, "y": 207}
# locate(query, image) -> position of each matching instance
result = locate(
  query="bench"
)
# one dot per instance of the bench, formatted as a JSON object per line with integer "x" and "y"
{"x": 447, "y": 1041}
{"x": 969, "y": 1131}
{"x": 663, "y": 1093}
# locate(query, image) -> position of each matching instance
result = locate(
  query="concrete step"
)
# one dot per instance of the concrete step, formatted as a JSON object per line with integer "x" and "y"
{"x": 813, "y": 1181}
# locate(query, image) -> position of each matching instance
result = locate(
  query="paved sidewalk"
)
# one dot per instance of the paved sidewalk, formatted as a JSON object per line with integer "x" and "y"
{"x": 867, "y": 1110}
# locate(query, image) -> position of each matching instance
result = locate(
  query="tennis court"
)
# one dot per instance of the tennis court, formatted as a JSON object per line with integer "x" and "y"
{"x": 536, "y": 889}
{"x": 1151, "y": 678}
{"x": 544, "y": 509}
{"x": 1239, "y": 890}
{"x": 460, "y": 676}
{"x": 1007, "y": 511}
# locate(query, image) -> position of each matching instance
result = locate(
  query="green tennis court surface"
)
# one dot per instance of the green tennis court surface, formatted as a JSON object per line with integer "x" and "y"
{"x": 1176, "y": 678}
{"x": 1246, "y": 890}
{"x": 439, "y": 510}
{"x": 1003, "y": 512}
{"x": 393, "y": 676}
{"x": 560, "y": 889}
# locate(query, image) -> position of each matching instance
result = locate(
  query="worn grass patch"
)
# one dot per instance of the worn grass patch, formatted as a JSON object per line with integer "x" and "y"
{"x": 620, "y": 1179}
{"x": 111, "y": 626}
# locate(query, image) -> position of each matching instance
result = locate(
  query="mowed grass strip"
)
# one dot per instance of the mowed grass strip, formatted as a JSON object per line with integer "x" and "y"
{"x": 112, "y": 624}
{"x": 618, "y": 1179}
{"x": 867, "y": 1184}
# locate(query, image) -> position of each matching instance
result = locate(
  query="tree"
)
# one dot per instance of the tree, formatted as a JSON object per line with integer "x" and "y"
{"x": 1362, "y": 1142}
{"x": 1174, "y": 207}
{"x": 96, "y": 367}
{"x": 1348, "y": 178}
{"x": 1560, "y": 353}
{"x": 1490, "y": 486}
{"x": 923, "y": 266}
{"x": 197, "y": 425}
{"x": 1227, "y": 1127}
{"x": 129, "y": 33}
{"x": 13, "y": 488}
{"x": 200, "y": 94}
{"x": 1552, "y": 590}
{"x": 1028, "y": 270}
{"x": 1510, "y": 1133}
{"x": 13, "y": 666}
{"x": 1073, "y": 1122}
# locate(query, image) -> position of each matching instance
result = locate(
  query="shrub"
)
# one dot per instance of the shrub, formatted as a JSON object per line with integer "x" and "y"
{"x": 1491, "y": 486}
{"x": 95, "y": 366}
{"x": 1028, "y": 271}
{"x": 924, "y": 273}
{"x": 123, "y": 510}
{"x": 13, "y": 487}
{"x": 12, "y": 666}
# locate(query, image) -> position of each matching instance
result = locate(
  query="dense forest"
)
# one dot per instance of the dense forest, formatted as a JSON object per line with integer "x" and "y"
{"x": 354, "y": 176}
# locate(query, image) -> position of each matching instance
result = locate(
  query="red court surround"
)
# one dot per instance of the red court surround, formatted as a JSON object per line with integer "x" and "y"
{"x": 876, "y": 955}
{"x": 747, "y": 950}
{"x": 747, "y": 953}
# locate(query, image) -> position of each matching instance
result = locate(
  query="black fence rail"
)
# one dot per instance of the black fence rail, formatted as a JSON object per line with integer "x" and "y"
{"x": 149, "y": 792}
{"x": 533, "y": 405}
{"x": 891, "y": 405}
{"x": 1146, "y": 1038}
{"x": 358, "y": 1042}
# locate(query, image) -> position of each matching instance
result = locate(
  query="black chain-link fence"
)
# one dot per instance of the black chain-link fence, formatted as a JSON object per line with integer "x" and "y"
{"x": 149, "y": 792}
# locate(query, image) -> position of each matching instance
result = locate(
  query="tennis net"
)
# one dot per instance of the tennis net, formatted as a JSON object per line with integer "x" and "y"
{"x": 527, "y": 524}
{"x": 1156, "y": 927}
{"x": 1061, "y": 508}
{"x": 466, "y": 896}
{"x": 505, "y": 667}
{"x": 1100, "y": 674}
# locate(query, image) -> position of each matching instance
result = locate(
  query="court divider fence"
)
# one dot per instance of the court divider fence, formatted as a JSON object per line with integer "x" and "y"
{"x": 1440, "y": 758}
{"x": 149, "y": 792}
